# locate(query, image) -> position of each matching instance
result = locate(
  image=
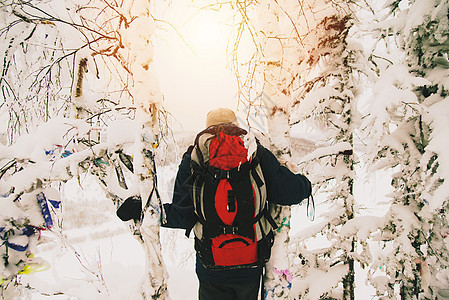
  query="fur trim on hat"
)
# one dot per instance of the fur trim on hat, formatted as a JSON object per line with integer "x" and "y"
{"x": 221, "y": 116}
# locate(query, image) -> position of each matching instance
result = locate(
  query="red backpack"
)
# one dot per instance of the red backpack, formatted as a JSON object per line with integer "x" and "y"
{"x": 233, "y": 228}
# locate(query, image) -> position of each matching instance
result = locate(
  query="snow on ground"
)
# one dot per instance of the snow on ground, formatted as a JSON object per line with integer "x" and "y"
{"x": 100, "y": 259}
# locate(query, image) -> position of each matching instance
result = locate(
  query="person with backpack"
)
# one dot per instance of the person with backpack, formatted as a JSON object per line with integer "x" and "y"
{"x": 222, "y": 189}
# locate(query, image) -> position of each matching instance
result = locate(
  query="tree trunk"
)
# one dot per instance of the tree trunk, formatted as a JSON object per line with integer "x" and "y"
{"x": 277, "y": 280}
{"x": 155, "y": 282}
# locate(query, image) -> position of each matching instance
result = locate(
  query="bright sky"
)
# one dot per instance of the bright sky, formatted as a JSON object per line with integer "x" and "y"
{"x": 194, "y": 79}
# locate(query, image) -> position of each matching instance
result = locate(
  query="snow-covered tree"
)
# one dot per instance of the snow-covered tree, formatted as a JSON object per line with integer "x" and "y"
{"x": 406, "y": 125}
{"x": 265, "y": 77}
{"x": 308, "y": 64}
{"x": 83, "y": 68}
{"x": 326, "y": 95}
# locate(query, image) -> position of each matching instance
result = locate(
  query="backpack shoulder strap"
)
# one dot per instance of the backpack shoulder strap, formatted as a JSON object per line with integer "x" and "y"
{"x": 255, "y": 163}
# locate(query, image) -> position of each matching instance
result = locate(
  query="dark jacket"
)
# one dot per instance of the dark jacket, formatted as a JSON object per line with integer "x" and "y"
{"x": 283, "y": 187}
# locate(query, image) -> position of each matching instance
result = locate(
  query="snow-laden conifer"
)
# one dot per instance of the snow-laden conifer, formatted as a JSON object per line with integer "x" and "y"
{"x": 408, "y": 114}
{"x": 309, "y": 65}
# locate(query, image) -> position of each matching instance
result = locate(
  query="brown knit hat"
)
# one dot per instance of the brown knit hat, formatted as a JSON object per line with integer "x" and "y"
{"x": 221, "y": 116}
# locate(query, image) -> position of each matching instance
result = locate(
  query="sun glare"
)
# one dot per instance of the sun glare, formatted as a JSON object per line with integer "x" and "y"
{"x": 191, "y": 61}
{"x": 207, "y": 32}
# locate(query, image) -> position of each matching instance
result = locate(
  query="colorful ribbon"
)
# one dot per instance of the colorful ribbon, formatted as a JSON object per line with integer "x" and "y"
{"x": 284, "y": 224}
{"x": 34, "y": 267}
{"x": 285, "y": 273}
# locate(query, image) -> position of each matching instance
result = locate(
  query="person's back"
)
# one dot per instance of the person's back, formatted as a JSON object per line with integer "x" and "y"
{"x": 229, "y": 198}
{"x": 222, "y": 190}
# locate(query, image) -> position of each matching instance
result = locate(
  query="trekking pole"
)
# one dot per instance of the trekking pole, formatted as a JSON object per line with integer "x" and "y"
{"x": 311, "y": 208}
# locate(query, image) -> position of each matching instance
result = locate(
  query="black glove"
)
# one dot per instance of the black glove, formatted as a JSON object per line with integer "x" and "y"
{"x": 130, "y": 209}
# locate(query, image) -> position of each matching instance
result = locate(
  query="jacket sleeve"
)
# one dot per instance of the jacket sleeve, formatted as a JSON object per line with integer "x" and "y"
{"x": 283, "y": 186}
{"x": 180, "y": 212}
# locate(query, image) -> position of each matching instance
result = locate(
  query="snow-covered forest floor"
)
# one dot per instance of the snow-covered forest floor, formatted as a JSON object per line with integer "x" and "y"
{"x": 100, "y": 259}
